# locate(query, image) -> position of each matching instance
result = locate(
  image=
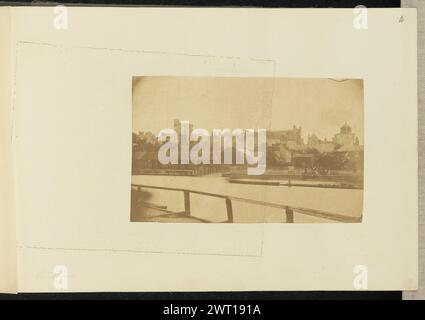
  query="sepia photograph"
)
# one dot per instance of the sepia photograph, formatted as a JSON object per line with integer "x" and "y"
{"x": 247, "y": 150}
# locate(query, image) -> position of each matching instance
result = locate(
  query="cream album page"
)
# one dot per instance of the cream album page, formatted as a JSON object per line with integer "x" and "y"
{"x": 177, "y": 149}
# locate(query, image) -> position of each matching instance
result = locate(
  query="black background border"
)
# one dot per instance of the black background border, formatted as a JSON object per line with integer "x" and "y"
{"x": 221, "y": 3}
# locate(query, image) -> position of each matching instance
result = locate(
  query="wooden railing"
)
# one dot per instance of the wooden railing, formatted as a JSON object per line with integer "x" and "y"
{"x": 288, "y": 210}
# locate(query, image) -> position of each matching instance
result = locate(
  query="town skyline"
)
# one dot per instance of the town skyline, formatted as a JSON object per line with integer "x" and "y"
{"x": 279, "y": 149}
{"x": 306, "y": 137}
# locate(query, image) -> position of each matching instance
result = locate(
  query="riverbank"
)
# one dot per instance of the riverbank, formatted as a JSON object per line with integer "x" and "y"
{"x": 291, "y": 176}
{"x": 298, "y": 183}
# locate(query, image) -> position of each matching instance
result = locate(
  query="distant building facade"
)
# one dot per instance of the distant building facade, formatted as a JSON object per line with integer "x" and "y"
{"x": 287, "y": 147}
{"x": 345, "y": 137}
{"x": 283, "y": 136}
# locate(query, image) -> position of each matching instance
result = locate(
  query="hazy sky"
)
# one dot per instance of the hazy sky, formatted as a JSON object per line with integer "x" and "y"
{"x": 319, "y": 106}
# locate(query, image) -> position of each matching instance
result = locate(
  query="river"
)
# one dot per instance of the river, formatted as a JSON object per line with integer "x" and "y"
{"x": 348, "y": 202}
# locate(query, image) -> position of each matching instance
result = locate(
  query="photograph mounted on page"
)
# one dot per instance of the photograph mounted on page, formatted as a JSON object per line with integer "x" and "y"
{"x": 247, "y": 150}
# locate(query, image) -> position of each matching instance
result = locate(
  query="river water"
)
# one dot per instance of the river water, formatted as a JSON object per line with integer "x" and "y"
{"x": 347, "y": 202}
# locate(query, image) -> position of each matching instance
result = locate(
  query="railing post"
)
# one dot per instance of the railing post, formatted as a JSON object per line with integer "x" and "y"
{"x": 187, "y": 202}
{"x": 229, "y": 208}
{"x": 289, "y": 215}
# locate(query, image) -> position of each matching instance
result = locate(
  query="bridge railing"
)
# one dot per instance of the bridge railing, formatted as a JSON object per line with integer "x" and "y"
{"x": 287, "y": 210}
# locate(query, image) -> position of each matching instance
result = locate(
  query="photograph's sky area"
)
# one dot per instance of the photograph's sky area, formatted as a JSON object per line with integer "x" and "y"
{"x": 319, "y": 106}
